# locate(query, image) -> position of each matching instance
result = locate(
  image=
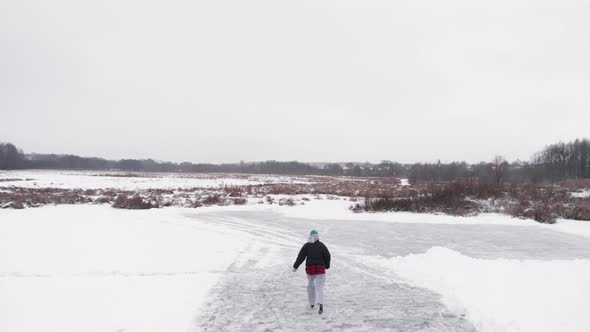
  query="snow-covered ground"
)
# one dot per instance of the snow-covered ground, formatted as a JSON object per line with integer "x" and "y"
{"x": 502, "y": 294}
{"x": 584, "y": 193}
{"x": 102, "y": 180}
{"x": 95, "y": 268}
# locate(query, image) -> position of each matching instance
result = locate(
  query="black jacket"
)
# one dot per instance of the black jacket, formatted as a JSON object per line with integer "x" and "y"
{"x": 316, "y": 253}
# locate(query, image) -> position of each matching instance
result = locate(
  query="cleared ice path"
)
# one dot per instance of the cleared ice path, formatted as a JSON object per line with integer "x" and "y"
{"x": 259, "y": 292}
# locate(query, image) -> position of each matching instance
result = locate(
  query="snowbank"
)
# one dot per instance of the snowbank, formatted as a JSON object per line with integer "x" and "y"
{"x": 95, "y": 268}
{"x": 502, "y": 295}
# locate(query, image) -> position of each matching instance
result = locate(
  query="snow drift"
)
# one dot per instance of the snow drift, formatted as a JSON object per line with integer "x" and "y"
{"x": 501, "y": 294}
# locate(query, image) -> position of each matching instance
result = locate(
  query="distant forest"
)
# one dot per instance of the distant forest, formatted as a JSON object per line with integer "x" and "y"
{"x": 555, "y": 162}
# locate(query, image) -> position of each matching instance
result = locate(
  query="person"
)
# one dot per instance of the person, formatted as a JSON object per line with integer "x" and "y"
{"x": 317, "y": 261}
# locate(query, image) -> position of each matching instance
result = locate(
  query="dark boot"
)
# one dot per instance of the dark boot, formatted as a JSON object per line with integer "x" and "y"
{"x": 321, "y": 311}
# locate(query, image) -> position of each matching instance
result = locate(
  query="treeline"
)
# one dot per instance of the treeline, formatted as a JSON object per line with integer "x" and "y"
{"x": 564, "y": 160}
{"x": 555, "y": 162}
{"x": 11, "y": 157}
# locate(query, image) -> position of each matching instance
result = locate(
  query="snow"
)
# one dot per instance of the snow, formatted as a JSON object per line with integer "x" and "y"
{"x": 581, "y": 193}
{"x": 95, "y": 268}
{"x": 97, "y": 180}
{"x": 574, "y": 227}
{"x": 339, "y": 209}
{"x": 503, "y": 295}
{"x": 405, "y": 182}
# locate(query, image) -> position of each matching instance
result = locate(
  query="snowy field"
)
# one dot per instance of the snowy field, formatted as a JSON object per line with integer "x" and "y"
{"x": 96, "y": 268}
{"x": 119, "y": 180}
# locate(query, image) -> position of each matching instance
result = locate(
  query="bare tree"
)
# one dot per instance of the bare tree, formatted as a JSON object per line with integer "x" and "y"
{"x": 499, "y": 169}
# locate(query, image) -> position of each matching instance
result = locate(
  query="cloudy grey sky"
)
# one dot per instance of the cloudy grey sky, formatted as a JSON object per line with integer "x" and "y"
{"x": 337, "y": 80}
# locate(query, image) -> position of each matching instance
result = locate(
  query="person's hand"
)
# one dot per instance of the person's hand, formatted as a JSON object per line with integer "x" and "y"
{"x": 294, "y": 270}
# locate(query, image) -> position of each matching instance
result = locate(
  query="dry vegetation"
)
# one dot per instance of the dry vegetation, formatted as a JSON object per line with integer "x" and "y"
{"x": 196, "y": 197}
{"x": 134, "y": 202}
{"x": 544, "y": 203}
{"x": 10, "y": 180}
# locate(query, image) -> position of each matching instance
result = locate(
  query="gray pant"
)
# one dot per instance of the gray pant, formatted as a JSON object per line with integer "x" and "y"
{"x": 315, "y": 288}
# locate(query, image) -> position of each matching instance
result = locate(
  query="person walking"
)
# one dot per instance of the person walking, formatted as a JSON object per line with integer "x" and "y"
{"x": 317, "y": 261}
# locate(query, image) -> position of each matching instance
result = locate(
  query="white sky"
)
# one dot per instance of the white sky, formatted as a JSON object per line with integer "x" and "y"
{"x": 223, "y": 81}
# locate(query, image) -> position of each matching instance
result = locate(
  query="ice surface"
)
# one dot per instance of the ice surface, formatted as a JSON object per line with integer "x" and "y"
{"x": 358, "y": 296}
{"x": 365, "y": 294}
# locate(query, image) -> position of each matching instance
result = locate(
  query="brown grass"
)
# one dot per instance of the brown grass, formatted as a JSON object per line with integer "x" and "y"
{"x": 240, "y": 201}
{"x": 575, "y": 183}
{"x": 135, "y": 202}
{"x": 214, "y": 199}
{"x": 543, "y": 203}
{"x": 10, "y": 180}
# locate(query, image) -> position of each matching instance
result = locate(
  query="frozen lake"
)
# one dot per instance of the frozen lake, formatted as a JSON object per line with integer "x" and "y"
{"x": 95, "y": 268}
{"x": 360, "y": 295}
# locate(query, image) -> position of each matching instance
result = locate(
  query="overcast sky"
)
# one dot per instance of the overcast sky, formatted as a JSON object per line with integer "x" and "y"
{"x": 224, "y": 81}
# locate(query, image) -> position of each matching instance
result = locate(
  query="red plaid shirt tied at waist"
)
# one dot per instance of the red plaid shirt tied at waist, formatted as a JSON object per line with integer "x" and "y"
{"x": 314, "y": 269}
